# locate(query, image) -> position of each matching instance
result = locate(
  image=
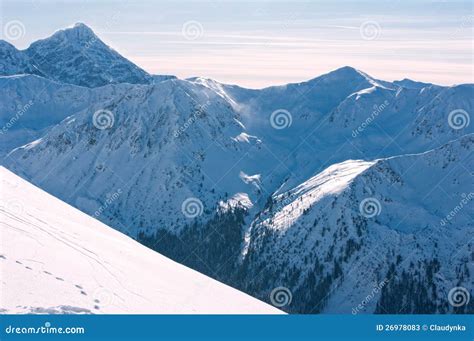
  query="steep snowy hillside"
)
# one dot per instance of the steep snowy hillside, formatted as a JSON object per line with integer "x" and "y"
{"x": 387, "y": 224}
{"x": 31, "y": 104}
{"x": 380, "y": 122}
{"x": 55, "y": 259}
{"x": 173, "y": 138}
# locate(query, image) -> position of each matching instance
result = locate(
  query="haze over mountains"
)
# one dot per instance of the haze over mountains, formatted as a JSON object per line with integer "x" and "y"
{"x": 260, "y": 189}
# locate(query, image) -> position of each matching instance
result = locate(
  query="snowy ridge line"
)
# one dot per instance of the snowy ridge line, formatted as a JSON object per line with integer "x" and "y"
{"x": 325, "y": 224}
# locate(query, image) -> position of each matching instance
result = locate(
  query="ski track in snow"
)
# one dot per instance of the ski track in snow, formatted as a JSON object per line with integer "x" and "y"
{"x": 55, "y": 259}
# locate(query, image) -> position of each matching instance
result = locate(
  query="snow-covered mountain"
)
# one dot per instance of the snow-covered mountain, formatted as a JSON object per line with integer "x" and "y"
{"x": 31, "y": 105}
{"x": 74, "y": 55}
{"x": 358, "y": 223}
{"x": 261, "y": 189}
{"x": 146, "y": 135}
{"x": 57, "y": 77}
{"x": 56, "y": 259}
{"x": 77, "y": 56}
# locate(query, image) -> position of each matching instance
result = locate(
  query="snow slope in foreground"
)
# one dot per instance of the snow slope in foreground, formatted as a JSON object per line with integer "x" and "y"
{"x": 56, "y": 259}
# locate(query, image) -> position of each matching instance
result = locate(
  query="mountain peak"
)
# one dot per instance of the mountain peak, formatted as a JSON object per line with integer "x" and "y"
{"x": 81, "y": 28}
{"x": 81, "y": 25}
{"x": 78, "y": 35}
{"x": 78, "y": 31}
{"x": 76, "y": 55}
{"x": 350, "y": 74}
{"x": 346, "y": 69}
{"x": 347, "y": 72}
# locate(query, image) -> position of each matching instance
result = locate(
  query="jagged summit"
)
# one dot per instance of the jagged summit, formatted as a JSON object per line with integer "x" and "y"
{"x": 77, "y": 56}
{"x": 73, "y": 55}
{"x": 78, "y": 35}
{"x": 79, "y": 32}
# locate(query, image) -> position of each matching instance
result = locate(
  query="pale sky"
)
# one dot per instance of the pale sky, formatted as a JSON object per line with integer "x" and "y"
{"x": 262, "y": 43}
